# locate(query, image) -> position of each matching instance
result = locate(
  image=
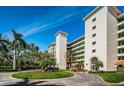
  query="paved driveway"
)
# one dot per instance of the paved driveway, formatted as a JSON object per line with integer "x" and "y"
{"x": 6, "y": 79}
{"x": 80, "y": 79}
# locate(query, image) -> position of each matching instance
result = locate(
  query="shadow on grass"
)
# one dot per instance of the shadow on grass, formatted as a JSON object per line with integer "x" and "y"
{"x": 25, "y": 82}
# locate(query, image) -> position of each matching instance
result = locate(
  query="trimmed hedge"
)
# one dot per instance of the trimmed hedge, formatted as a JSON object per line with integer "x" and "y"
{"x": 8, "y": 70}
{"x": 5, "y": 67}
{"x": 103, "y": 72}
{"x": 5, "y": 63}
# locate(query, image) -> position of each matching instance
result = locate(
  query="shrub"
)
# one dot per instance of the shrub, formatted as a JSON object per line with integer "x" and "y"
{"x": 102, "y": 71}
{"x": 8, "y": 70}
{"x": 5, "y": 67}
{"x": 5, "y": 63}
{"x": 73, "y": 69}
{"x": 52, "y": 69}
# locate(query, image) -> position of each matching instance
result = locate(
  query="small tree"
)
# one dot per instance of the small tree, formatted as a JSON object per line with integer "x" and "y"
{"x": 70, "y": 57}
{"x": 98, "y": 64}
{"x": 80, "y": 66}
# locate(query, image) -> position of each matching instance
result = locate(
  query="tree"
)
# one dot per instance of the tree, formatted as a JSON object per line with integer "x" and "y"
{"x": 70, "y": 57}
{"x": 79, "y": 65}
{"x": 47, "y": 60}
{"x": 18, "y": 45}
{"x": 5, "y": 49}
{"x": 98, "y": 65}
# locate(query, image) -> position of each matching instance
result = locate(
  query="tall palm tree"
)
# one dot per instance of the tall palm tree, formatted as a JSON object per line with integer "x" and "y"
{"x": 18, "y": 45}
{"x": 70, "y": 58}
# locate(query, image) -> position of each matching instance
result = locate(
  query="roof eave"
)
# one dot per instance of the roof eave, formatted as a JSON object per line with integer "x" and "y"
{"x": 92, "y": 12}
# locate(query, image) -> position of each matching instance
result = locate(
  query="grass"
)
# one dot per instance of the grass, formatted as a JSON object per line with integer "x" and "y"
{"x": 43, "y": 75}
{"x": 112, "y": 77}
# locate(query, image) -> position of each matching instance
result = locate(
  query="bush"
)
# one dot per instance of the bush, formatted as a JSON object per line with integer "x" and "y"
{"x": 73, "y": 69}
{"x": 5, "y": 67}
{"x": 52, "y": 69}
{"x": 102, "y": 71}
{"x": 5, "y": 63}
{"x": 26, "y": 67}
{"x": 8, "y": 70}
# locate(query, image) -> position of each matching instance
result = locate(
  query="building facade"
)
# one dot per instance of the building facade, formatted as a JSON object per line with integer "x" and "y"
{"x": 61, "y": 48}
{"x": 52, "y": 48}
{"x": 77, "y": 46}
{"x": 120, "y": 37}
{"x": 103, "y": 39}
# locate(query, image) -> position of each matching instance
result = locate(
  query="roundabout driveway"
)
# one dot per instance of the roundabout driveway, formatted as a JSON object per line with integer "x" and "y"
{"x": 6, "y": 79}
{"x": 79, "y": 79}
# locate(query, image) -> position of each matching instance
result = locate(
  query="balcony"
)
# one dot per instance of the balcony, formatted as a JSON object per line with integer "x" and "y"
{"x": 121, "y": 30}
{"x": 120, "y": 46}
{"x": 120, "y": 23}
{"x": 120, "y": 54}
{"x": 121, "y": 38}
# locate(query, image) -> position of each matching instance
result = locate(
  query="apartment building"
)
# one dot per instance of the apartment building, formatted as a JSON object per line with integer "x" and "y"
{"x": 52, "y": 48}
{"x": 120, "y": 43}
{"x": 103, "y": 39}
{"x": 77, "y": 46}
{"x": 120, "y": 38}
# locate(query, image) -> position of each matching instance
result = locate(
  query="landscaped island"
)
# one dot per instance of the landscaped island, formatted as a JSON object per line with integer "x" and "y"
{"x": 43, "y": 75}
{"x": 112, "y": 77}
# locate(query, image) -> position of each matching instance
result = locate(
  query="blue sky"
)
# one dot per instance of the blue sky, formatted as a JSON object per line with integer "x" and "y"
{"x": 39, "y": 24}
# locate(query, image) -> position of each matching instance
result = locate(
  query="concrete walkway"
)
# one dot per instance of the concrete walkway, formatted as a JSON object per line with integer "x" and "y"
{"x": 80, "y": 79}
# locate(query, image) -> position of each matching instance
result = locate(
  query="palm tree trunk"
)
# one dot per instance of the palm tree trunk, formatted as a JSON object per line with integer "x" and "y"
{"x": 14, "y": 60}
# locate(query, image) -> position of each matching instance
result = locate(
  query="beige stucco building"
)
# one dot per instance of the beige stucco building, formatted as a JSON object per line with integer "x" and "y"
{"x": 103, "y": 40}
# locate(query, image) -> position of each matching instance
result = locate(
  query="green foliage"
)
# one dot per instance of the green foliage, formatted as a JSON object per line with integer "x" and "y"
{"x": 47, "y": 62}
{"x": 19, "y": 54}
{"x": 80, "y": 66}
{"x": 70, "y": 57}
{"x": 8, "y": 70}
{"x": 98, "y": 65}
{"x": 5, "y": 67}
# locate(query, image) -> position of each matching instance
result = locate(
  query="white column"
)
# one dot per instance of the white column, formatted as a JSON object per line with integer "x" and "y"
{"x": 61, "y": 48}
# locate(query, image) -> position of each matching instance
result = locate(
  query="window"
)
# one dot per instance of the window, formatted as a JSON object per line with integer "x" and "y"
{"x": 94, "y": 50}
{"x": 94, "y": 35}
{"x": 94, "y": 27}
{"x": 94, "y": 20}
{"x": 93, "y": 43}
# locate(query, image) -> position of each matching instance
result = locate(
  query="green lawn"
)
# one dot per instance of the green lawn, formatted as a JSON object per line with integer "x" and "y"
{"x": 43, "y": 75}
{"x": 112, "y": 77}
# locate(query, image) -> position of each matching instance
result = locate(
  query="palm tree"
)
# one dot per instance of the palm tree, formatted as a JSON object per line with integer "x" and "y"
{"x": 70, "y": 58}
{"x": 18, "y": 45}
{"x": 98, "y": 65}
